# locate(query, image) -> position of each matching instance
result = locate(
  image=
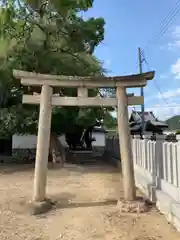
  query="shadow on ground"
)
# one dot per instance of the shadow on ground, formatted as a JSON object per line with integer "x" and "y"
{"x": 67, "y": 200}
{"x": 13, "y": 168}
{"x": 92, "y": 168}
{"x": 63, "y": 205}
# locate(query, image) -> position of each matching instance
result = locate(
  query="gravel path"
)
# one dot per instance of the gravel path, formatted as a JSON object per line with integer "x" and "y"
{"x": 87, "y": 208}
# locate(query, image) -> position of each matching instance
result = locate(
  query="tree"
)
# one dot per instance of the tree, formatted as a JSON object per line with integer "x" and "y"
{"x": 46, "y": 37}
{"x": 173, "y": 122}
{"x": 109, "y": 121}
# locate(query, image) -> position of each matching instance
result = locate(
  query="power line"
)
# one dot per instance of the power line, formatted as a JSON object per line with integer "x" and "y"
{"x": 159, "y": 33}
{"x": 165, "y": 24}
{"x": 162, "y": 29}
{"x": 155, "y": 82}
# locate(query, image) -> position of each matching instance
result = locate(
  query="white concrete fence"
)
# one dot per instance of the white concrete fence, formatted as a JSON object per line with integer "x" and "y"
{"x": 157, "y": 174}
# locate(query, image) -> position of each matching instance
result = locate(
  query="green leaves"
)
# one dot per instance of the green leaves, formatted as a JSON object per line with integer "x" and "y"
{"x": 47, "y": 37}
{"x": 67, "y": 5}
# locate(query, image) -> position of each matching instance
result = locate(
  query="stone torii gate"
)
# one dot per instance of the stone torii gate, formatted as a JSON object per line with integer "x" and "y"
{"x": 47, "y": 99}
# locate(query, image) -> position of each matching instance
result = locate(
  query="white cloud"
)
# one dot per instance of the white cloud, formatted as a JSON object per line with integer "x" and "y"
{"x": 176, "y": 32}
{"x": 175, "y": 69}
{"x": 170, "y": 94}
{"x": 161, "y": 111}
{"x": 175, "y": 43}
{"x": 165, "y": 111}
{"x": 166, "y": 104}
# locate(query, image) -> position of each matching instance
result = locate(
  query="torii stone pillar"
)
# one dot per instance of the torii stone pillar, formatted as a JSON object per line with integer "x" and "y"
{"x": 125, "y": 145}
{"x": 42, "y": 149}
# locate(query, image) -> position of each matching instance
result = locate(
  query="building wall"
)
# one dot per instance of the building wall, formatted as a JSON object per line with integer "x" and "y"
{"x": 24, "y": 148}
{"x": 29, "y": 141}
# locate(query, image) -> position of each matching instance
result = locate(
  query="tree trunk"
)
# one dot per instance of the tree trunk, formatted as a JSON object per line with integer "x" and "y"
{"x": 57, "y": 150}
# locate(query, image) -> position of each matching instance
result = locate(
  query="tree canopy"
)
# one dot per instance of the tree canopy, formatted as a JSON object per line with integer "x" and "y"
{"x": 46, "y": 36}
{"x": 174, "y": 123}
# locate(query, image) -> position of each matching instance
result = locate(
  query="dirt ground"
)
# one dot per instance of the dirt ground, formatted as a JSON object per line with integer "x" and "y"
{"x": 86, "y": 208}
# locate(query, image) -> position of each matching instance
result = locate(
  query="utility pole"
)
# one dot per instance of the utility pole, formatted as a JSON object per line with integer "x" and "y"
{"x": 142, "y": 89}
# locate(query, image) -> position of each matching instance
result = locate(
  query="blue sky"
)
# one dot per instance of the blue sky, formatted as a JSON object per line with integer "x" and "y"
{"x": 132, "y": 24}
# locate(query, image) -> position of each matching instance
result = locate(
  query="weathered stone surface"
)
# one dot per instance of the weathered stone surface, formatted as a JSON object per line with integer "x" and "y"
{"x": 40, "y": 207}
{"x": 138, "y": 206}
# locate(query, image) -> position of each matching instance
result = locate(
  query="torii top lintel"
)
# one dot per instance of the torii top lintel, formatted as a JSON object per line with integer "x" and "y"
{"x": 37, "y": 79}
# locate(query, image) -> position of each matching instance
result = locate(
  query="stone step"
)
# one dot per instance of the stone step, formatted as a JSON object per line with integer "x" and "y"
{"x": 80, "y": 157}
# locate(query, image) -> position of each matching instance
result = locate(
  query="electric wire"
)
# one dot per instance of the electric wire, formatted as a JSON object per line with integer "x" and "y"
{"x": 164, "y": 25}
{"x": 155, "y": 82}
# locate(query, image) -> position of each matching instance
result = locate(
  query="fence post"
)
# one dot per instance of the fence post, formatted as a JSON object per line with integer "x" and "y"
{"x": 159, "y": 158}
{"x": 147, "y": 136}
{"x": 178, "y": 162}
{"x": 178, "y": 137}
